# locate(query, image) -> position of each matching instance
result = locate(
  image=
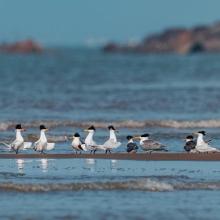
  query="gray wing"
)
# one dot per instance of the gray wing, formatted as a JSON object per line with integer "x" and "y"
{"x": 152, "y": 145}
{"x": 190, "y": 145}
{"x": 131, "y": 147}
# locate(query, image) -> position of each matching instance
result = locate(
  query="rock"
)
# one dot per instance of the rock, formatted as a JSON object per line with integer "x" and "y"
{"x": 175, "y": 40}
{"x": 26, "y": 46}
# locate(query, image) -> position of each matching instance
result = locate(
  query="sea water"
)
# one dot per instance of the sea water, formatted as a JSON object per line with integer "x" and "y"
{"x": 108, "y": 189}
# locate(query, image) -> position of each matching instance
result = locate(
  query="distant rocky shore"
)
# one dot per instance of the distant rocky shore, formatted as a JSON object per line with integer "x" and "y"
{"x": 175, "y": 40}
{"x": 26, "y": 46}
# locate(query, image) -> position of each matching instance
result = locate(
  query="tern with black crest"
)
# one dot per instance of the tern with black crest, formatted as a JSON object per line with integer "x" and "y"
{"x": 150, "y": 145}
{"x": 201, "y": 145}
{"x": 18, "y": 143}
{"x": 77, "y": 144}
{"x": 190, "y": 144}
{"x": 112, "y": 142}
{"x": 131, "y": 145}
{"x": 41, "y": 145}
{"x": 89, "y": 141}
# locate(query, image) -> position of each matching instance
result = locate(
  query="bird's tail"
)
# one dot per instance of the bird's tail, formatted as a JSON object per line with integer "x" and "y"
{"x": 84, "y": 147}
{"x": 163, "y": 148}
{"x": 217, "y": 150}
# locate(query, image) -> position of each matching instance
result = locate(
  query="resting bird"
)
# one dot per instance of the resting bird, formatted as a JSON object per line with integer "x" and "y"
{"x": 201, "y": 145}
{"x": 150, "y": 145}
{"x": 41, "y": 145}
{"x": 18, "y": 143}
{"x": 131, "y": 146}
{"x": 89, "y": 141}
{"x": 77, "y": 143}
{"x": 112, "y": 142}
{"x": 190, "y": 143}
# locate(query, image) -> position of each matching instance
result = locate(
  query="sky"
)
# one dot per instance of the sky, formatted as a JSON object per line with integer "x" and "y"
{"x": 93, "y": 22}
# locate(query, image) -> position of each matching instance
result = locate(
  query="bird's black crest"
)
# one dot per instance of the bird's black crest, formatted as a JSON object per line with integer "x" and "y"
{"x": 76, "y": 135}
{"x": 42, "y": 127}
{"x": 129, "y": 137}
{"x": 189, "y": 137}
{"x": 202, "y": 132}
{"x": 91, "y": 128}
{"x": 145, "y": 135}
{"x": 18, "y": 126}
{"x": 111, "y": 127}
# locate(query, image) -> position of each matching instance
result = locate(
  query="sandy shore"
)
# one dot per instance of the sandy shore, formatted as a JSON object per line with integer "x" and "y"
{"x": 123, "y": 156}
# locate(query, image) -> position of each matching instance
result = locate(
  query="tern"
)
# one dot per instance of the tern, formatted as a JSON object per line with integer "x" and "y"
{"x": 42, "y": 143}
{"x": 150, "y": 145}
{"x": 77, "y": 143}
{"x": 18, "y": 143}
{"x": 190, "y": 144}
{"x": 131, "y": 146}
{"x": 112, "y": 142}
{"x": 89, "y": 141}
{"x": 203, "y": 146}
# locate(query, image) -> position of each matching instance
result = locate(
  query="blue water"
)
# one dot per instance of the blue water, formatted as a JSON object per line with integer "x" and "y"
{"x": 143, "y": 190}
{"x": 70, "y": 89}
{"x": 81, "y": 84}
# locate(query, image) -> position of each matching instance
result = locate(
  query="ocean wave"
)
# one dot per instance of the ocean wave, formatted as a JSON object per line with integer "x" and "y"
{"x": 148, "y": 185}
{"x": 4, "y": 126}
{"x": 139, "y": 185}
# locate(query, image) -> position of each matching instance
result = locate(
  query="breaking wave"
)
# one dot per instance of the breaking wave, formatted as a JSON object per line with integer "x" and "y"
{"x": 120, "y": 124}
{"x": 140, "y": 185}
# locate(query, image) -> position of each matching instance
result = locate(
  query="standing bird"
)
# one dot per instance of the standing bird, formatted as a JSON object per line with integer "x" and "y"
{"x": 112, "y": 142}
{"x": 18, "y": 143}
{"x": 203, "y": 146}
{"x": 89, "y": 141}
{"x": 42, "y": 143}
{"x": 150, "y": 145}
{"x": 77, "y": 143}
{"x": 131, "y": 146}
{"x": 190, "y": 143}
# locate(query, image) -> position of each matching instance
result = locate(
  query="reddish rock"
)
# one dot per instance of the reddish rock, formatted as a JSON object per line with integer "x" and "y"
{"x": 176, "y": 40}
{"x": 26, "y": 46}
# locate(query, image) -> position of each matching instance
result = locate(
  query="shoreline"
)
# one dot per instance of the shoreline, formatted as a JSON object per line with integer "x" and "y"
{"x": 122, "y": 156}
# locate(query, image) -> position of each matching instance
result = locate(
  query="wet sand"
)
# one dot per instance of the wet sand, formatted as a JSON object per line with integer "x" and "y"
{"x": 123, "y": 156}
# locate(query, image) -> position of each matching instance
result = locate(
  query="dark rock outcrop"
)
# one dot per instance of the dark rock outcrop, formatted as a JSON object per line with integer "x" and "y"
{"x": 175, "y": 40}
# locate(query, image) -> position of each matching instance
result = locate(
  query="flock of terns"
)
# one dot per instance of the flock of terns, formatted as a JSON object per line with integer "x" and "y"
{"x": 146, "y": 144}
